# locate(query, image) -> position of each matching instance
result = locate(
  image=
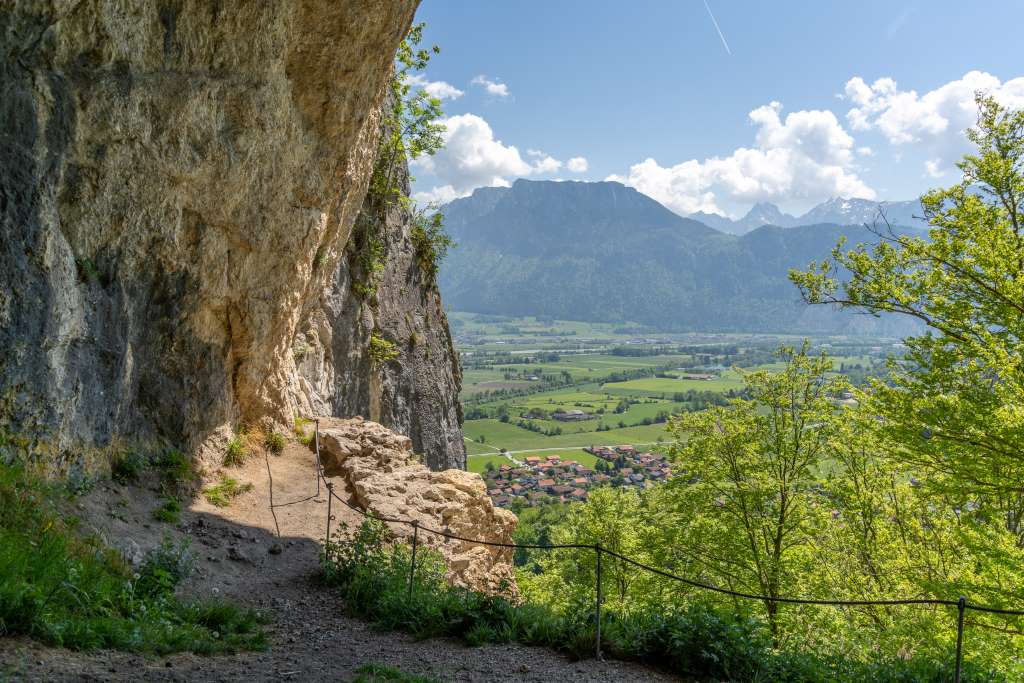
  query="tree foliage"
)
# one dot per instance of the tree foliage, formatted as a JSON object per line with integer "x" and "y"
{"x": 954, "y": 406}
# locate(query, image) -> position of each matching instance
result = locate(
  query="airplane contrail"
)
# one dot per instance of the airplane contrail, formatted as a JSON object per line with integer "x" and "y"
{"x": 717, "y": 28}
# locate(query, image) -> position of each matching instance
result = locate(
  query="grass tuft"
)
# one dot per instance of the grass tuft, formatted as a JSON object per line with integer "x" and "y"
{"x": 236, "y": 453}
{"x": 222, "y": 493}
{"x": 378, "y": 673}
{"x": 169, "y": 511}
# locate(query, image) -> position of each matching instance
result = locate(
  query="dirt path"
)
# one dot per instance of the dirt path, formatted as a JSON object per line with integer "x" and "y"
{"x": 311, "y": 639}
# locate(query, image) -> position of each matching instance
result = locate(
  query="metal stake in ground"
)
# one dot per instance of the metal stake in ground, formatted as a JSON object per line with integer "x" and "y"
{"x": 961, "y": 605}
{"x": 598, "y": 609}
{"x": 412, "y": 565}
{"x": 330, "y": 495}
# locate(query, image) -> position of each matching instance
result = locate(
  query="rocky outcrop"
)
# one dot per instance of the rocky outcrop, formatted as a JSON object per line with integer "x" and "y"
{"x": 417, "y": 392}
{"x": 384, "y": 477}
{"x": 178, "y": 183}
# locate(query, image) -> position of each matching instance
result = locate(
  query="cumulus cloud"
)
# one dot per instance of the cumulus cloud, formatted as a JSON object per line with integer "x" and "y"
{"x": 439, "y": 89}
{"x": 933, "y": 167}
{"x": 577, "y": 165}
{"x": 492, "y": 87}
{"x": 937, "y": 118}
{"x": 472, "y": 157}
{"x": 809, "y": 155}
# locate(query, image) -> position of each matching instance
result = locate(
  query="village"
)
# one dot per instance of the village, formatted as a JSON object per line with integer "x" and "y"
{"x": 538, "y": 480}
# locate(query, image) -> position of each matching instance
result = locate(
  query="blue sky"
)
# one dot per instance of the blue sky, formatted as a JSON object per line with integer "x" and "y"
{"x": 811, "y": 100}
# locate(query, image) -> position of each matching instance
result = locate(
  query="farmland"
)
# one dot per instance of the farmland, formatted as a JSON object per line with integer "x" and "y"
{"x": 535, "y": 386}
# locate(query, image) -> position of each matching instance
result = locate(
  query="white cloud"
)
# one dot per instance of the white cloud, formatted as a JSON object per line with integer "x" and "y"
{"x": 437, "y": 196}
{"x": 865, "y": 152}
{"x": 472, "y": 158}
{"x": 577, "y": 165}
{"x": 439, "y": 89}
{"x": 933, "y": 167}
{"x": 936, "y": 119}
{"x": 491, "y": 86}
{"x": 547, "y": 165}
{"x": 806, "y": 156}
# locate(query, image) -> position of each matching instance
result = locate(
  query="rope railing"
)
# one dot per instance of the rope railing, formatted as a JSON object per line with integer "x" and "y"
{"x": 961, "y": 603}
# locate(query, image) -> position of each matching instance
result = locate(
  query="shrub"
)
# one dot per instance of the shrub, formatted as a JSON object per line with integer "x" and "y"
{"x": 697, "y": 642}
{"x": 74, "y": 592}
{"x": 235, "y": 454}
{"x": 222, "y": 493}
{"x": 126, "y": 467}
{"x": 169, "y": 511}
{"x": 274, "y": 442}
{"x": 381, "y": 350}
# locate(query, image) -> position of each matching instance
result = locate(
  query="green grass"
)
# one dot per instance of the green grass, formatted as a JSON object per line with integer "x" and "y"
{"x": 169, "y": 511}
{"x": 227, "y": 489}
{"x": 378, "y": 673}
{"x": 71, "y": 591}
{"x": 478, "y": 463}
{"x": 513, "y": 438}
{"x": 235, "y": 453}
{"x": 657, "y": 386}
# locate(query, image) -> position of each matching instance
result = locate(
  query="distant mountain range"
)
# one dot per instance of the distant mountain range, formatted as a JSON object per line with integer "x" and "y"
{"x": 836, "y": 211}
{"x": 605, "y": 252}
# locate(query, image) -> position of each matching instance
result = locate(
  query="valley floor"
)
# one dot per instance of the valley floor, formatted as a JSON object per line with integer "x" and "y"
{"x": 311, "y": 638}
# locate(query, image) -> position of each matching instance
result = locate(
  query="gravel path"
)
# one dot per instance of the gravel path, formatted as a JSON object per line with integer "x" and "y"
{"x": 311, "y": 638}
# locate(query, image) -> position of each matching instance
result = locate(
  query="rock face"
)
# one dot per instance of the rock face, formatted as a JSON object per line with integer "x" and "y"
{"x": 417, "y": 392}
{"x": 178, "y": 183}
{"x": 379, "y": 467}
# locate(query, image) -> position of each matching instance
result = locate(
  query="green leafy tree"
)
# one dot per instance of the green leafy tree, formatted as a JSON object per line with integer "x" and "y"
{"x": 953, "y": 407}
{"x": 750, "y": 493}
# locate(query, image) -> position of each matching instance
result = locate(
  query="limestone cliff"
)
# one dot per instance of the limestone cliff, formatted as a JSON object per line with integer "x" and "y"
{"x": 178, "y": 183}
{"x": 417, "y": 392}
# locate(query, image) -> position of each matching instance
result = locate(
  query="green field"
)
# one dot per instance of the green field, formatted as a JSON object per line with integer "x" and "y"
{"x": 522, "y": 370}
{"x": 518, "y": 440}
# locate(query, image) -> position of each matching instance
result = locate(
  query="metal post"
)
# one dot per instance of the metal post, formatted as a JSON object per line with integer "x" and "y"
{"x": 412, "y": 566}
{"x": 598, "y": 610}
{"x": 316, "y": 442}
{"x": 330, "y": 496}
{"x": 961, "y": 605}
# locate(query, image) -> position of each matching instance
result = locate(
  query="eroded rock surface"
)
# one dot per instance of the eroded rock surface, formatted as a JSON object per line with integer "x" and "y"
{"x": 384, "y": 477}
{"x": 178, "y": 182}
{"x": 416, "y": 393}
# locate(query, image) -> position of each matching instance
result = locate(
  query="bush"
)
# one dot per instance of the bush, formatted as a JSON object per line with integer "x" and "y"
{"x": 381, "y": 350}
{"x": 697, "y": 642}
{"x": 274, "y": 442}
{"x": 73, "y": 592}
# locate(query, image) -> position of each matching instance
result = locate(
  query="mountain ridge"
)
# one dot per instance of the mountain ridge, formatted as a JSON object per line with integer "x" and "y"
{"x": 604, "y": 251}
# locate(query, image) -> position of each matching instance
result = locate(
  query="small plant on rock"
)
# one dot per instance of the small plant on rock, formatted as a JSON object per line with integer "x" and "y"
{"x": 381, "y": 350}
{"x": 236, "y": 453}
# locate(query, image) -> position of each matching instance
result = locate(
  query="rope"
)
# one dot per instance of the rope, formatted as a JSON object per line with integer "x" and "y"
{"x": 640, "y": 565}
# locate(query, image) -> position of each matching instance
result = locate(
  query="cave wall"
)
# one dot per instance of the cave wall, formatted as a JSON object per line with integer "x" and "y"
{"x": 178, "y": 182}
